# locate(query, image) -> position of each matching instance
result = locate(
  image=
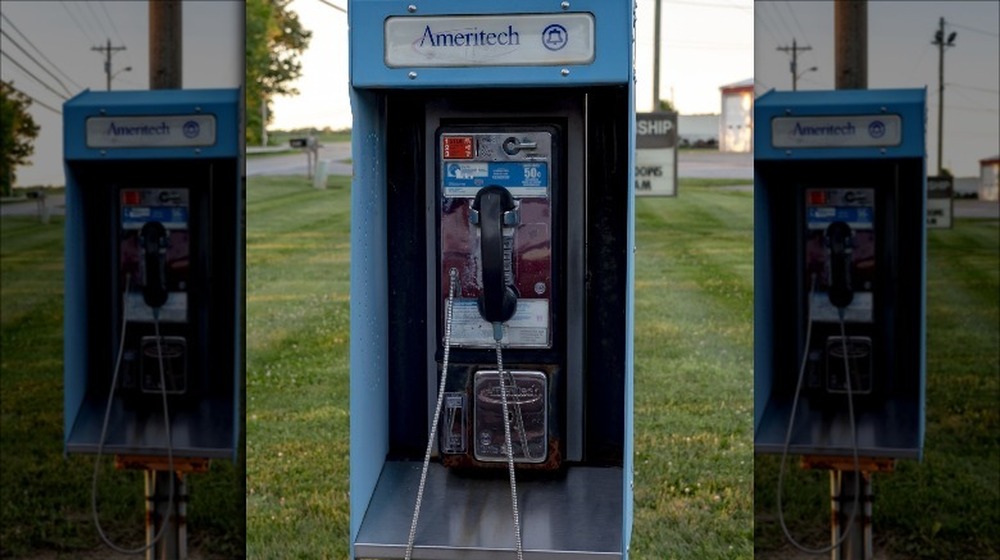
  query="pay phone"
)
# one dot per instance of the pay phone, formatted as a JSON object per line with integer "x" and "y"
{"x": 154, "y": 276}
{"x": 498, "y": 190}
{"x": 841, "y": 283}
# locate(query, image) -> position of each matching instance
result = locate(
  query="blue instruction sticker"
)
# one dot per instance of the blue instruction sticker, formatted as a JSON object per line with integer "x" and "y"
{"x": 528, "y": 179}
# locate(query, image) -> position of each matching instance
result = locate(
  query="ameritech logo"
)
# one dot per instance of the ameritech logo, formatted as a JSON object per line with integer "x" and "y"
{"x": 876, "y": 129}
{"x": 191, "y": 129}
{"x": 139, "y": 130}
{"x": 469, "y": 38}
{"x": 825, "y": 130}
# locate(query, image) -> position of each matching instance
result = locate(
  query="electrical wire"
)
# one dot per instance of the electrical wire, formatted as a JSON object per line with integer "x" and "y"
{"x": 39, "y": 51}
{"x": 791, "y": 423}
{"x": 36, "y": 78}
{"x": 104, "y": 431}
{"x": 11, "y": 86}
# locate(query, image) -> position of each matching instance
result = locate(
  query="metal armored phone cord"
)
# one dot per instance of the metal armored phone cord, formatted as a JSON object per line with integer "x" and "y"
{"x": 452, "y": 280}
{"x": 791, "y": 423}
{"x": 498, "y": 335}
{"x": 104, "y": 431}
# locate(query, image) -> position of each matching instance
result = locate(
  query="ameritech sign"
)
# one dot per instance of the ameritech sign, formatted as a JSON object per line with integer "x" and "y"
{"x": 504, "y": 40}
{"x": 851, "y": 131}
{"x": 656, "y": 154}
{"x": 167, "y": 131}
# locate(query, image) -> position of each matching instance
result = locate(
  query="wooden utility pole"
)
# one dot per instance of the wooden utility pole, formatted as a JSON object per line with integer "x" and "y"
{"x": 165, "y": 44}
{"x": 941, "y": 43}
{"x": 850, "y": 20}
{"x": 794, "y": 49}
{"x": 108, "y": 51}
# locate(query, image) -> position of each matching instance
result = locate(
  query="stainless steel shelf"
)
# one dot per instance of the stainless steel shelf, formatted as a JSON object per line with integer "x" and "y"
{"x": 575, "y": 515}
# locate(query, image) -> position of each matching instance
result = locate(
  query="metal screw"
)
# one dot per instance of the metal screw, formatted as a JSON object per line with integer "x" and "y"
{"x": 412, "y": 75}
{"x": 104, "y": 152}
{"x": 411, "y": 8}
{"x": 564, "y": 5}
{"x": 197, "y": 109}
{"x": 788, "y": 152}
{"x": 197, "y": 151}
{"x": 564, "y": 72}
{"x": 103, "y": 111}
{"x": 788, "y": 111}
{"x": 882, "y": 151}
{"x": 883, "y": 109}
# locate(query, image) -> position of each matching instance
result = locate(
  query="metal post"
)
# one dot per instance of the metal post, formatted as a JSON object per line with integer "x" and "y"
{"x": 656, "y": 57}
{"x": 858, "y": 543}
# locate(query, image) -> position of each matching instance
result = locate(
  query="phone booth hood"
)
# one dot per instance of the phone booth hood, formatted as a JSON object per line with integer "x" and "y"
{"x": 809, "y": 141}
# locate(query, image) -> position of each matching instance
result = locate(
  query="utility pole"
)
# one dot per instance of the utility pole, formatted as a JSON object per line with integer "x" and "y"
{"x": 165, "y": 44}
{"x": 108, "y": 51}
{"x": 939, "y": 40}
{"x": 850, "y": 20}
{"x": 794, "y": 49}
{"x": 656, "y": 56}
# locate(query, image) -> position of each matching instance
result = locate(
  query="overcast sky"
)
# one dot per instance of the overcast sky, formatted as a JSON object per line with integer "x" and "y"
{"x": 706, "y": 44}
{"x": 65, "y": 32}
{"x": 900, "y": 55}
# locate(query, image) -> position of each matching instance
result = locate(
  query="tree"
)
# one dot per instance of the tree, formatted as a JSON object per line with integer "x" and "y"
{"x": 667, "y": 106}
{"x": 17, "y": 133}
{"x": 275, "y": 41}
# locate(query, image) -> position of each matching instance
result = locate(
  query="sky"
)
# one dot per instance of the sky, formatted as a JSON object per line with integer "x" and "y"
{"x": 65, "y": 32}
{"x": 900, "y": 55}
{"x": 705, "y": 44}
{"x": 694, "y": 61}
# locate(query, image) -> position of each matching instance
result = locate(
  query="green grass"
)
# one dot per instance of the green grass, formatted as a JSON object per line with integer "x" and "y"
{"x": 297, "y": 375}
{"x": 693, "y": 377}
{"x": 44, "y": 496}
{"x": 948, "y": 505}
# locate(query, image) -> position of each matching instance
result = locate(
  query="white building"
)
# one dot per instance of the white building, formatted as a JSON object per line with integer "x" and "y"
{"x": 736, "y": 121}
{"x": 989, "y": 178}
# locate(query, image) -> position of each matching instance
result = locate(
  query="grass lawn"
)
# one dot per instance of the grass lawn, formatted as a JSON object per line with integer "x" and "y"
{"x": 44, "y": 496}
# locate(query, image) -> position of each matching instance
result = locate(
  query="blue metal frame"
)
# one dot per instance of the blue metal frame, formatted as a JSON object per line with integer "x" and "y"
{"x": 613, "y": 64}
{"x": 909, "y": 104}
{"x": 613, "y": 46}
{"x": 225, "y": 105}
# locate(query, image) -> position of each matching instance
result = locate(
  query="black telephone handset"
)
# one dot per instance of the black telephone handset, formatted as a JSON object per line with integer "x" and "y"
{"x": 840, "y": 241}
{"x": 153, "y": 239}
{"x": 497, "y": 301}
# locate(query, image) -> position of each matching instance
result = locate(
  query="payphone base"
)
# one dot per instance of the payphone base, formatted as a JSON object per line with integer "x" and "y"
{"x": 578, "y": 515}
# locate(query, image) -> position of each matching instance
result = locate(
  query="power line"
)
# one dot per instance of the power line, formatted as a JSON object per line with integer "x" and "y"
{"x": 86, "y": 32}
{"x": 40, "y": 53}
{"x": 28, "y": 72}
{"x": 33, "y": 59}
{"x": 973, "y": 29}
{"x": 11, "y": 86}
{"x": 332, "y": 5}
{"x": 97, "y": 20}
{"x": 794, "y": 49}
{"x": 128, "y": 56}
{"x": 976, "y": 88}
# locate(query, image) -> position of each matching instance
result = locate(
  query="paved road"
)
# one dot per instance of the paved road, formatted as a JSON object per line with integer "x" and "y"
{"x": 710, "y": 164}
{"x": 337, "y": 153}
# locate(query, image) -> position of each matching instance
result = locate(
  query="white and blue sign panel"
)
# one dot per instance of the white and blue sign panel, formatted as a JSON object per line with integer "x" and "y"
{"x": 496, "y": 40}
{"x": 465, "y": 179}
{"x": 656, "y": 154}
{"x": 150, "y": 131}
{"x": 837, "y": 132}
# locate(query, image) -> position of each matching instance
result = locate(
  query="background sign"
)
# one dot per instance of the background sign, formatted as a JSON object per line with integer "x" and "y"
{"x": 656, "y": 154}
{"x": 939, "y": 202}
